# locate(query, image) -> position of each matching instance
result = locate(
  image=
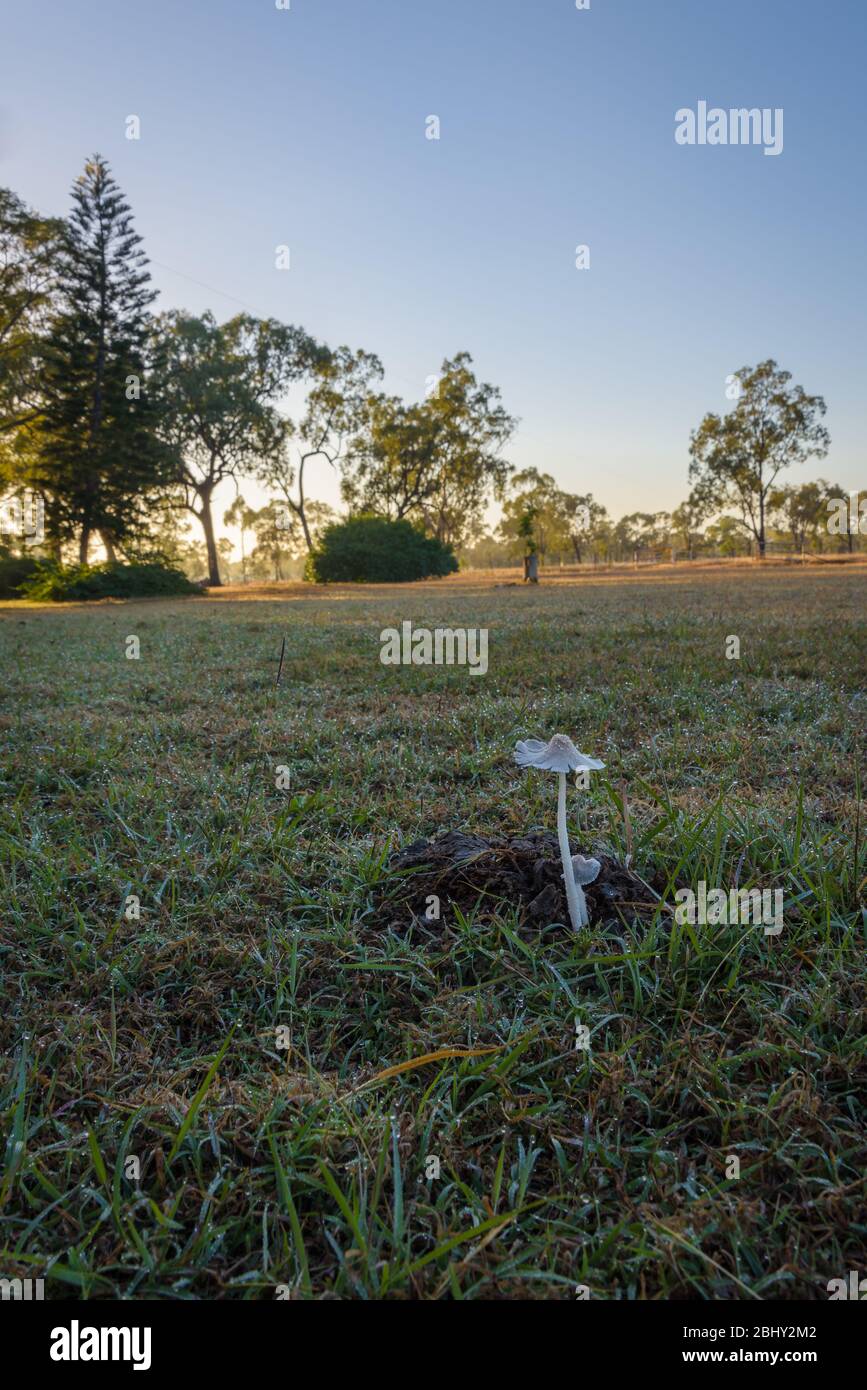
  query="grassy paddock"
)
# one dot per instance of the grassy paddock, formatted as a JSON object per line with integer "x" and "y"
{"x": 156, "y": 1039}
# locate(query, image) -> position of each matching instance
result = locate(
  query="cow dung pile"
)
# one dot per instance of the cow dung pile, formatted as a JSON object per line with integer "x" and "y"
{"x": 478, "y": 874}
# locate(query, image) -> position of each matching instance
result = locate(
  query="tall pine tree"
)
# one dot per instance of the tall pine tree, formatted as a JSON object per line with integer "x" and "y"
{"x": 97, "y": 454}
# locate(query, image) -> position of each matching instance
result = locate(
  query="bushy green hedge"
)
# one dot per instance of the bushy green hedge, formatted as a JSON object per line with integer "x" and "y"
{"x": 14, "y": 569}
{"x": 372, "y": 550}
{"x": 60, "y": 583}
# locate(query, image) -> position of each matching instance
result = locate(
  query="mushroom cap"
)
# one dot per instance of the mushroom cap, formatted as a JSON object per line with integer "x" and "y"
{"x": 558, "y": 755}
{"x": 585, "y": 870}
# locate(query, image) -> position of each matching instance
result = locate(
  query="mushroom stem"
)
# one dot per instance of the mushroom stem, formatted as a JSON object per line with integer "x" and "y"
{"x": 574, "y": 895}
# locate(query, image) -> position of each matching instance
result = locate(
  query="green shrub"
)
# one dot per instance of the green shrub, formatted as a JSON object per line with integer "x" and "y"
{"x": 14, "y": 569}
{"x": 372, "y": 550}
{"x": 60, "y": 583}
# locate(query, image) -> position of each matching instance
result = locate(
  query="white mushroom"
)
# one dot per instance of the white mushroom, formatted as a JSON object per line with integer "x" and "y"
{"x": 561, "y": 756}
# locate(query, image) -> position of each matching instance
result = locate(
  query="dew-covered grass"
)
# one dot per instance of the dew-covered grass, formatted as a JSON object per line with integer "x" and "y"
{"x": 242, "y": 1039}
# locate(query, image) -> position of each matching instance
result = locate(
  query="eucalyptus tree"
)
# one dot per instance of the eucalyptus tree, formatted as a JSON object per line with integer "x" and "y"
{"x": 689, "y": 517}
{"x": 29, "y": 254}
{"x": 800, "y": 509}
{"x": 218, "y": 387}
{"x": 739, "y": 456}
{"x": 391, "y": 467}
{"x": 437, "y": 461}
{"x": 471, "y": 428}
{"x": 337, "y": 406}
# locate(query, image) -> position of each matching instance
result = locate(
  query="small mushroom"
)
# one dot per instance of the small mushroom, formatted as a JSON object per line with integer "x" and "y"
{"x": 561, "y": 756}
{"x": 585, "y": 871}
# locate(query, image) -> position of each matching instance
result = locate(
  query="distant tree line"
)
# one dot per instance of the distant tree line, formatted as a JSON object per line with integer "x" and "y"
{"x": 564, "y": 528}
{"x": 739, "y": 504}
{"x": 123, "y": 423}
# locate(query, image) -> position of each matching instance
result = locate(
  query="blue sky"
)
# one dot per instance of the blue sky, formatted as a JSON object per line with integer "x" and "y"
{"x": 306, "y": 127}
